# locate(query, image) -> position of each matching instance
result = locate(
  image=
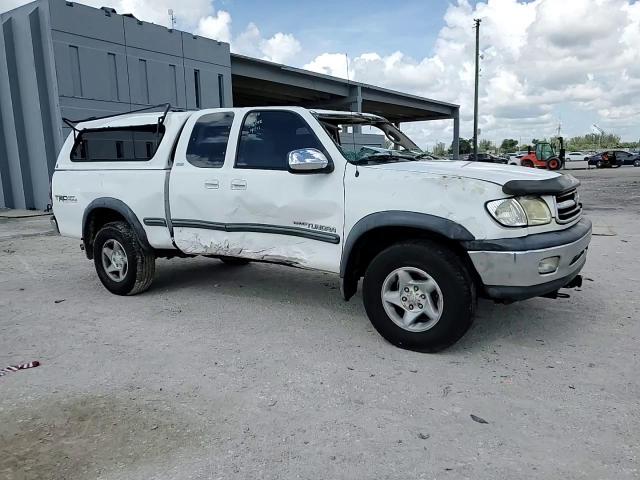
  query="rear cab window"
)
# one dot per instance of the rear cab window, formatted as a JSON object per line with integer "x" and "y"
{"x": 207, "y": 146}
{"x": 117, "y": 144}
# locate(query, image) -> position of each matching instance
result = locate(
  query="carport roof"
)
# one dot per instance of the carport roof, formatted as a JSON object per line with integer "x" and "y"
{"x": 262, "y": 83}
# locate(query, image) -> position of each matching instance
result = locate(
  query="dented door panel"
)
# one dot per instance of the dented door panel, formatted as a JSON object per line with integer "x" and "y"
{"x": 303, "y": 213}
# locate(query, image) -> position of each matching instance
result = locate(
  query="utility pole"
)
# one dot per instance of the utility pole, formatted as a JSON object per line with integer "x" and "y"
{"x": 172, "y": 18}
{"x": 475, "y": 99}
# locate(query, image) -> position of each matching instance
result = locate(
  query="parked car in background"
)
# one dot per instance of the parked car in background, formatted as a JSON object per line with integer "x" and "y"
{"x": 631, "y": 158}
{"x": 576, "y": 156}
{"x": 487, "y": 158}
{"x": 516, "y": 158}
{"x": 610, "y": 159}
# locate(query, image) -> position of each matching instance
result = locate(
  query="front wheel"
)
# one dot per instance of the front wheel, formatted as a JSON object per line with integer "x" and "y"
{"x": 419, "y": 296}
{"x": 554, "y": 164}
{"x": 527, "y": 163}
{"x": 599, "y": 164}
{"x": 122, "y": 265}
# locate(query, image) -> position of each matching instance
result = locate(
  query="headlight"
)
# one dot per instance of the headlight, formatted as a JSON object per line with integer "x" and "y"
{"x": 536, "y": 209}
{"x": 508, "y": 212}
{"x": 520, "y": 212}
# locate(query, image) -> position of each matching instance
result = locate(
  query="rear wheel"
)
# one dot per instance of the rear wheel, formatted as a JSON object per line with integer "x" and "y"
{"x": 636, "y": 163}
{"x": 419, "y": 296}
{"x": 121, "y": 263}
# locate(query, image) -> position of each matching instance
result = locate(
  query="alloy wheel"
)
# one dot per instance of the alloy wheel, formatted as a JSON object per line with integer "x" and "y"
{"x": 412, "y": 299}
{"x": 114, "y": 260}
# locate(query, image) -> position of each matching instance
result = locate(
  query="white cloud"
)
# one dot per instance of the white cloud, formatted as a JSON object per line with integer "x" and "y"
{"x": 248, "y": 42}
{"x": 188, "y": 13}
{"x": 216, "y": 26}
{"x": 7, "y": 5}
{"x": 335, "y": 64}
{"x": 539, "y": 58}
{"x": 280, "y": 48}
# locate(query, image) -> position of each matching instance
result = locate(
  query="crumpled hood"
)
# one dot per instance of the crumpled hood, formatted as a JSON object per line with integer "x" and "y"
{"x": 489, "y": 172}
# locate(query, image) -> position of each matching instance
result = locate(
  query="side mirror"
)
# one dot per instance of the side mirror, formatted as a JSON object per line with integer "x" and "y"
{"x": 307, "y": 160}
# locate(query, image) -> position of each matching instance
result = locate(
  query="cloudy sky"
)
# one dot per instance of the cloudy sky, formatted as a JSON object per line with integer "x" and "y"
{"x": 545, "y": 62}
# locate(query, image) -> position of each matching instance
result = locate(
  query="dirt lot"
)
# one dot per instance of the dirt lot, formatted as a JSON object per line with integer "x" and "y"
{"x": 264, "y": 372}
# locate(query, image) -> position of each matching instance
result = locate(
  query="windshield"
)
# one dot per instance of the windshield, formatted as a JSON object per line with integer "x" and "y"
{"x": 369, "y": 139}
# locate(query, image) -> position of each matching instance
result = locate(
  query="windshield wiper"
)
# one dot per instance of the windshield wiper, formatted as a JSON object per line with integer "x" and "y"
{"x": 425, "y": 155}
{"x": 381, "y": 158}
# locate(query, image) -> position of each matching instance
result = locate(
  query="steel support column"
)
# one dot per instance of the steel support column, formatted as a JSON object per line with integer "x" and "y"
{"x": 456, "y": 134}
{"x": 355, "y": 103}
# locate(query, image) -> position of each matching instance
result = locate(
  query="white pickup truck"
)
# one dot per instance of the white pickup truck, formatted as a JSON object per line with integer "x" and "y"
{"x": 294, "y": 186}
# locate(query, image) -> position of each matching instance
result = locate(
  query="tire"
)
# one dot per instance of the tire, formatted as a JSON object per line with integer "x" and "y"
{"x": 454, "y": 295}
{"x": 599, "y": 164}
{"x": 234, "y": 261}
{"x": 636, "y": 163}
{"x": 140, "y": 264}
{"x": 554, "y": 164}
{"x": 527, "y": 163}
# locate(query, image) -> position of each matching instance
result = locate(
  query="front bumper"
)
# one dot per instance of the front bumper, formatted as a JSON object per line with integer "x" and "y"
{"x": 509, "y": 267}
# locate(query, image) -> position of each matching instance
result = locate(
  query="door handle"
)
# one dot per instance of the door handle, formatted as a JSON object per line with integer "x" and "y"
{"x": 211, "y": 184}
{"x": 238, "y": 184}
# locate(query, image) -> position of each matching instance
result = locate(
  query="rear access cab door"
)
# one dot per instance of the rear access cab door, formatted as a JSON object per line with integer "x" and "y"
{"x": 231, "y": 193}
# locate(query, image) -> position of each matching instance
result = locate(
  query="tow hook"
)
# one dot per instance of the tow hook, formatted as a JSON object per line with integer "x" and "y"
{"x": 576, "y": 282}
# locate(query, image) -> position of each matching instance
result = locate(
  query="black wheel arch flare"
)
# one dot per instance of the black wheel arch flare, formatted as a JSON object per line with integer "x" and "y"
{"x": 393, "y": 218}
{"x": 110, "y": 203}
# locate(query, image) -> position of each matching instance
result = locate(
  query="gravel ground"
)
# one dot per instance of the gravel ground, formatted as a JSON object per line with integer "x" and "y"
{"x": 264, "y": 372}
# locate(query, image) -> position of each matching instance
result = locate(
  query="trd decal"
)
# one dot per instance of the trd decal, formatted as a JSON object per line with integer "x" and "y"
{"x": 67, "y": 198}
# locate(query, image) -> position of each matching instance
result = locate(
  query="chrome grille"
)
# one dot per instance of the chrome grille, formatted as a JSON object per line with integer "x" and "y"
{"x": 568, "y": 207}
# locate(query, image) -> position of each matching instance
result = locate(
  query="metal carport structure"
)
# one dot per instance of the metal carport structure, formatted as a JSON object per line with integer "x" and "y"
{"x": 262, "y": 83}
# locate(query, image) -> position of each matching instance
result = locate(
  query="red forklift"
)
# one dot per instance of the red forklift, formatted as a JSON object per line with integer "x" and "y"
{"x": 544, "y": 156}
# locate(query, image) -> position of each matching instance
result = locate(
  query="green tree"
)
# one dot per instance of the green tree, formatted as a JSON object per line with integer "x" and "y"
{"x": 593, "y": 141}
{"x": 464, "y": 145}
{"x": 508, "y": 145}
{"x": 485, "y": 145}
{"x": 440, "y": 150}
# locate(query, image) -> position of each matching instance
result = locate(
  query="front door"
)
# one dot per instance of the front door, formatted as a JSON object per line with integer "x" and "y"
{"x": 272, "y": 214}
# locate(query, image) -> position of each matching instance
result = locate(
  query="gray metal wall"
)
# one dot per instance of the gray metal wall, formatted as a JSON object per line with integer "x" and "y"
{"x": 60, "y": 59}
{"x": 29, "y": 133}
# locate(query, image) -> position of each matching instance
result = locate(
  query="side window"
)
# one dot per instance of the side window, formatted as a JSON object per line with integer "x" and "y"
{"x": 268, "y": 136}
{"x": 546, "y": 151}
{"x": 208, "y": 142}
{"x": 126, "y": 144}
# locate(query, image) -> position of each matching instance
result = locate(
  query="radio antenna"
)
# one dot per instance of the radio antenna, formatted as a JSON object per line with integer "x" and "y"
{"x": 346, "y": 57}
